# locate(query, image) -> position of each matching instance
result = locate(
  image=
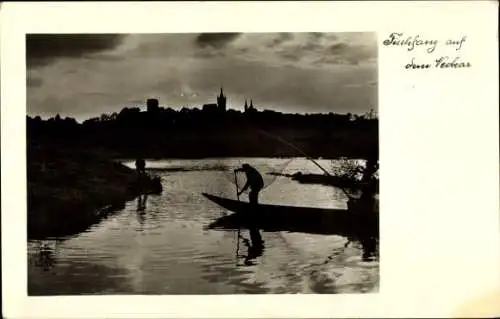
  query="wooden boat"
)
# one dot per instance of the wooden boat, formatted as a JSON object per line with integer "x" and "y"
{"x": 294, "y": 218}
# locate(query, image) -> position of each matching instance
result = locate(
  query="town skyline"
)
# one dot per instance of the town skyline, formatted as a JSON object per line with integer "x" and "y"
{"x": 83, "y": 76}
{"x": 153, "y": 105}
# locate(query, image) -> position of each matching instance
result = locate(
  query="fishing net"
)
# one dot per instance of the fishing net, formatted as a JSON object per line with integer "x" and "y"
{"x": 269, "y": 168}
{"x": 350, "y": 169}
{"x": 350, "y": 175}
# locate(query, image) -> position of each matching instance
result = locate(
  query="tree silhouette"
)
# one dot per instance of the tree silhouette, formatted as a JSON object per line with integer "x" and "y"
{"x": 205, "y": 131}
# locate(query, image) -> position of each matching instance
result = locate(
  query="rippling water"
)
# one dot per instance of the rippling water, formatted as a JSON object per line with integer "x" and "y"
{"x": 165, "y": 248}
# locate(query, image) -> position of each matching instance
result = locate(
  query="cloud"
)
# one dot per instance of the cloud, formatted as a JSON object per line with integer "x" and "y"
{"x": 280, "y": 39}
{"x": 209, "y": 52}
{"x": 316, "y": 35}
{"x": 306, "y": 50}
{"x": 215, "y": 40}
{"x": 33, "y": 82}
{"x": 32, "y": 79}
{"x": 349, "y": 53}
{"x": 315, "y": 72}
{"x": 42, "y": 49}
{"x": 338, "y": 48}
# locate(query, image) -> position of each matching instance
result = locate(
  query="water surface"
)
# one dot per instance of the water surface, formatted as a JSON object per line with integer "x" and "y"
{"x": 164, "y": 248}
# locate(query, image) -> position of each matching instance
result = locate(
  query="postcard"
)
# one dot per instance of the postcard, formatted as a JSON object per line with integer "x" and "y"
{"x": 250, "y": 159}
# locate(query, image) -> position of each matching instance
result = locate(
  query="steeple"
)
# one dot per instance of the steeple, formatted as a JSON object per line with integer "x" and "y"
{"x": 246, "y": 106}
{"x": 221, "y": 101}
{"x": 251, "y": 104}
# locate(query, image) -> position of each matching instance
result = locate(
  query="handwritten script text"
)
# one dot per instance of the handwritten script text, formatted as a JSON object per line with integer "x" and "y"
{"x": 412, "y": 43}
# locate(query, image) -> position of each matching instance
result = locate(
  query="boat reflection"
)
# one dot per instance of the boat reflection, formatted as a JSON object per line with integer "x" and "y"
{"x": 363, "y": 231}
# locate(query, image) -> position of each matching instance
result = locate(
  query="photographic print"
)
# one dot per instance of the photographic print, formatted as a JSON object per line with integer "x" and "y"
{"x": 201, "y": 164}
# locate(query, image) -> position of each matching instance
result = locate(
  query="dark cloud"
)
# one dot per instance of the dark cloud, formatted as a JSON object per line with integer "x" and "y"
{"x": 320, "y": 48}
{"x": 243, "y": 50}
{"x": 44, "y": 48}
{"x": 209, "y": 53}
{"x": 281, "y": 38}
{"x": 33, "y": 82}
{"x": 342, "y": 53}
{"x": 316, "y": 35}
{"x": 215, "y": 40}
{"x": 338, "y": 48}
{"x": 311, "y": 46}
{"x": 291, "y": 55}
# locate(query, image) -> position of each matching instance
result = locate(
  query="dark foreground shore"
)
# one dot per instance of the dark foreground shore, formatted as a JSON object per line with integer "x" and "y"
{"x": 69, "y": 190}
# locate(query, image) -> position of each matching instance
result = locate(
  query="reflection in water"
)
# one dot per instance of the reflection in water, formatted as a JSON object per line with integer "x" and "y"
{"x": 141, "y": 202}
{"x": 255, "y": 246}
{"x": 46, "y": 254}
{"x": 158, "y": 245}
{"x": 368, "y": 243}
{"x": 369, "y": 247}
{"x": 141, "y": 207}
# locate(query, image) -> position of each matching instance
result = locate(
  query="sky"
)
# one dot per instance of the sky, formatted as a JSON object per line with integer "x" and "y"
{"x": 85, "y": 75}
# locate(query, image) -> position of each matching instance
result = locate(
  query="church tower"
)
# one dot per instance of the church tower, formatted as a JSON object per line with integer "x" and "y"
{"x": 251, "y": 104}
{"x": 246, "y": 106}
{"x": 221, "y": 102}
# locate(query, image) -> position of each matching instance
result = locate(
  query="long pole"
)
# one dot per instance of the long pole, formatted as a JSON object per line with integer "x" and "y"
{"x": 303, "y": 153}
{"x": 238, "y": 196}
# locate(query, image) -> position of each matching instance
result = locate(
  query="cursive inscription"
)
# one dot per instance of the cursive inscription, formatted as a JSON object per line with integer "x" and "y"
{"x": 398, "y": 39}
{"x": 429, "y": 47}
{"x": 447, "y": 62}
{"x": 414, "y": 65}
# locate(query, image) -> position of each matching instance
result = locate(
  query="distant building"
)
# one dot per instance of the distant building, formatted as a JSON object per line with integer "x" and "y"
{"x": 152, "y": 105}
{"x": 211, "y": 108}
{"x": 221, "y": 102}
{"x": 250, "y": 108}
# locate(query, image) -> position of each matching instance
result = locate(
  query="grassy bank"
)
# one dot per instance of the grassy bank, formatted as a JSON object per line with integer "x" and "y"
{"x": 69, "y": 190}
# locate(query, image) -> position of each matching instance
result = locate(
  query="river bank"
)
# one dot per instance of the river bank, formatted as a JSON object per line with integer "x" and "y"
{"x": 69, "y": 190}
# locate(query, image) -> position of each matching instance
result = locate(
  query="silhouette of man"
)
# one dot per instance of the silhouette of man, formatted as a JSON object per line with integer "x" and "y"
{"x": 368, "y": 186}
{"x": 254, "y": 182}
{"x": 140, "y": 165}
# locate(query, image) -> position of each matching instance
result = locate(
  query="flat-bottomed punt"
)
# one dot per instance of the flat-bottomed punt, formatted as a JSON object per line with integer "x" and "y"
{"x": 309, "y": 220}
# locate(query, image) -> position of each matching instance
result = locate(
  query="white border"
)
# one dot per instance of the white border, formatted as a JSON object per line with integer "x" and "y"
{"x": 439, "y": 156}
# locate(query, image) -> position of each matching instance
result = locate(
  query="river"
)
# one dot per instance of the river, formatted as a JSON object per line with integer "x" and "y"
{"x": 165, "y": 247}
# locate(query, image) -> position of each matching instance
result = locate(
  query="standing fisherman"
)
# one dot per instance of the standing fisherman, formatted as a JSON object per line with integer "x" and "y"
{"x": 254, "y": 182}
{"x": 140, "y": 165}
{"x": 369, "y": 185}
{"x": 365, "y": 209}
